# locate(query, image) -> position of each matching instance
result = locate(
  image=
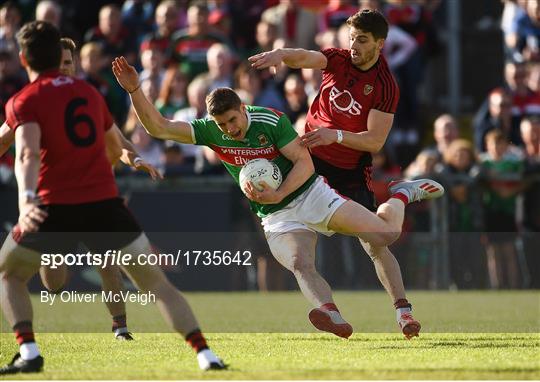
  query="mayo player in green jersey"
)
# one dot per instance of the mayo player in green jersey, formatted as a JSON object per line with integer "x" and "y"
{"x": 302, "y": 205}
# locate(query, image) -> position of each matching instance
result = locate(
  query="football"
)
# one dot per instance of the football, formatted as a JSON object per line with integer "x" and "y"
{"x": 260, "y": 170}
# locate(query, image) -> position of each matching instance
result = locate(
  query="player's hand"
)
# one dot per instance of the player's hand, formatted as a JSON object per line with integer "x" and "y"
{"x": 141, "y": 165}
{"x": 125, "y": 74}
{"x": 265, "y": 60}
{"x": 322, "y": 136}
{"x": 30, "y": 216}
{"x": 266, "y": 196}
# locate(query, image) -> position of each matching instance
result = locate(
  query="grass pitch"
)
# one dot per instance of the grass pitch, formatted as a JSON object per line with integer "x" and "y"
{"x": 466, "y": 335}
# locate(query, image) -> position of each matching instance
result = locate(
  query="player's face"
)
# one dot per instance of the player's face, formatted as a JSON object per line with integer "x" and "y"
{"x": 233, "y": 123}
{"x": 365, "y": 49}
{"x": 67, "y": 66}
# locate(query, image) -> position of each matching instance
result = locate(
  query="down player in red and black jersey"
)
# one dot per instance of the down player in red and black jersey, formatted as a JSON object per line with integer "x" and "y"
{"x": 349, "y": 119}
{"x": 63, "y": 132}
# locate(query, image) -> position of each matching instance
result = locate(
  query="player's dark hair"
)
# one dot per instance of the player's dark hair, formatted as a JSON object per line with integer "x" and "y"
{"x": 221, "y": 100}
{"x": 40, "y": 44}
{"x": 370, "y": 21}
{"x": 68, "y": 44}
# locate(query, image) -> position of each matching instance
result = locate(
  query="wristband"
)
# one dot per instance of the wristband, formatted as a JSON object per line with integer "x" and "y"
{"x": 27, "y": 194}
{"x": 134, "y": 90}
{"x": 339, "y": 136}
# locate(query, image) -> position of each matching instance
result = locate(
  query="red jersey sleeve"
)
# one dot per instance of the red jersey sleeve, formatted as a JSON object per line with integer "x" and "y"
{"x": 336, "y": 58}
{"x": 386, "y": 92}
{"x": 20, "y": 109}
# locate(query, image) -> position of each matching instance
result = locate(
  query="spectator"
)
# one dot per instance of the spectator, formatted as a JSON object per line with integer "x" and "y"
{"x": 253, "y": 91}
{"x": 137, "y": 17}
{"x": 513, "y": 11}
{"x": 51, "y": 11}
{"x": 10, "y": 22}
{"x": 335, "y": 14}
{"x": 220, "y": 67}
{"x": 501, "y": 174}
{"x": 166, "y": 18}
{"x": 172, "y": 95}
{"x": 293, "y": 22}
{"x": 313, "y": 80}
{"x": 152, "y": 63}
{"x": 530, "y": 131}
{"x": 296, "y": 97}
{"x": 115, "y": 38}
{"x": 11, "y": 80}
{"x": 327, "y": 39}
{"x": 524, "y": 40}
{"x": 174, "y": 162}
{"x": 499, "y": 116}
{"x": 190, "y": 45}
{"x": 149, "y": 149}
{"x": 445, "y": 131}
{"x": 196, "y": 92}
{"x": 458, "y": 174}
{"x": 266, "y": 35}
{"x": 92, "y": 64}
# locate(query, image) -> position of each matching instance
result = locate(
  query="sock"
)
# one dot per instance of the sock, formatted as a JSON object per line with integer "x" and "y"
{"x": 402, "y": 306}
{"x": 119, "y": 325}
{"x": 25, "y": 338}
{"x": 402, "y": 195}
{"x": 329, "y": 306}
{"x": 196, "y": 340}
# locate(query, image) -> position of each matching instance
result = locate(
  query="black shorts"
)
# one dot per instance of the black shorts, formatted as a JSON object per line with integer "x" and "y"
{"x": 102, "y": 225}
{"x": 353, "y": 184}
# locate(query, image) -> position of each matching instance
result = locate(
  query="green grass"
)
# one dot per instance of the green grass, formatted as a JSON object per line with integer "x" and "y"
{"x": 474, "y": 335}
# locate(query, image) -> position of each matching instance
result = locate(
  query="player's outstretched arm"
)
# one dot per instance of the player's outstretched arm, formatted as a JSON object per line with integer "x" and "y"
{"x": 7, "y": 137}
{"x": 293, "y": 58}
{"x": 150, "y": 117}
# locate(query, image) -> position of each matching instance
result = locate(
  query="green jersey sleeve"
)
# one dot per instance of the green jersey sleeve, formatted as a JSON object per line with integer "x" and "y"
{"x": 284, "y": 133}
{"x": 201, "y": 131}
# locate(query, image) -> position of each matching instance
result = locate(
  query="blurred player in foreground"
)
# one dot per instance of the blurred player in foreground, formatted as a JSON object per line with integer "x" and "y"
{"x": 63, "y": 132}
{"x": 302, "y": 205}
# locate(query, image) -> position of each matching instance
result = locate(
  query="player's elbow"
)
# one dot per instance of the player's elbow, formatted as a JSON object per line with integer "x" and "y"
{"x": 27, "y": 154}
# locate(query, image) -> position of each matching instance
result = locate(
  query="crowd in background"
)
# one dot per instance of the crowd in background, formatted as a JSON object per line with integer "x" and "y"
{"x": 184, "y": 49}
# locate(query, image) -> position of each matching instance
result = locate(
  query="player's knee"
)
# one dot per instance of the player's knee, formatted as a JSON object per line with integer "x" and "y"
{"x": 301, "y": 263}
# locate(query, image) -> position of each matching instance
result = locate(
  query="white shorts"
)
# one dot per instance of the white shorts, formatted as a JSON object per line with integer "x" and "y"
{"x": 311, "y": 210}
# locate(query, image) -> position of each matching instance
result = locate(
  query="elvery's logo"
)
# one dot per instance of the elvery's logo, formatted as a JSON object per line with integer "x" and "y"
{"x": 344, "y": 101}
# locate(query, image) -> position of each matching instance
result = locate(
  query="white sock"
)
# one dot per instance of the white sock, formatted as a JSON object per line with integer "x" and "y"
{"x": 28, "y": 350}
{"x": 405, "y": 192}
{"x": 120, "y": 331}
{"x": 205, "y": 358}
{"x": 400, "y": 311}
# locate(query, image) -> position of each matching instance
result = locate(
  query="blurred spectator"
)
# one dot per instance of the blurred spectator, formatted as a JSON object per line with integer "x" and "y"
{"x": 11, "y": 80}
{"x": 524, "y": 100}
{"x": 220, "y": 67}
{"x": 327, "y": 39}
{"x": 190, "y": 45}
{"x": 166, "y": 18}
{"x": 343, "y": 36}
{"x": 313, "y": 80}
{"x": 534, "y": 77}
{"x": 499, "y": 116}
{"x": 265, "y": 36}
{"x": 458, "y": 174}
{"x": 10, "y": 22}
{"x": 384, "y": 171}
{"x": 336, "y": 13}
{"x": 295, "y": 96}
{"x": 220, "y": 17}
{"x": 423, "y": 165}
{"x": 95, "y": 71}
{"x": 172, "y": 95}
{"x": 300, "y": 124}
{"x": 253, "y": 91}
{"x": 524, "y": 39}
{"x": 148, "y": 148}
{"x": 115, "y": 38}
{"x": 530, "y": 130}
{"x": 196, "y": 92}
{"x": 501, "y": 174}
{"x": 152, "y": 61}
{"x": 51, "y": 11}
{"x": 445, "y": 131}
{"x": 293, "y": 22}
{"x": 137, "y": 17}
{"x": 150, "y": 88}
{"x": 174, "y": 162}
{"x": 513, "y": 11}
